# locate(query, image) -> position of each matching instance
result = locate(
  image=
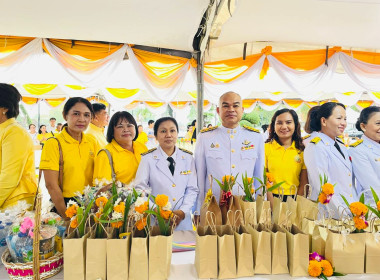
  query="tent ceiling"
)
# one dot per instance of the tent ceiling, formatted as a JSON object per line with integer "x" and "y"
{"x": 346, "y": 23}
{"x": 165, "y": 23}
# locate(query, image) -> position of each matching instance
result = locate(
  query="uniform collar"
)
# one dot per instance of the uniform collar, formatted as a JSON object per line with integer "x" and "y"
{"x": 165, "y": 156}
{"x": 230, "y": 130}
{"x": 96, "y": 128}
{"x": 326, "y": 139}
{"x": 7, "y": 122}
{"x": 278, "y": 146}
{"x": 369, "y": 142}
{"x": 67, "y": 137}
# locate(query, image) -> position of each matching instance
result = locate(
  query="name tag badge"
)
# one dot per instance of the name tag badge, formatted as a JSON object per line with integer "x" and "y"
{"x": 247, "y": 147}
{"x": 186, "y": 172}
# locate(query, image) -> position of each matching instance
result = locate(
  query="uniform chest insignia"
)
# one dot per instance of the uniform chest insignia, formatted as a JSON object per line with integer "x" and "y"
{"x": 212, "y": 145}
{"x": 297, "y": 159}
{"x": 186, "y": 172}
{"x": 247, "y": 147}
{"x": 377, "y": 159}
{"x": 91, "y": 154}
{"x": 209, "y": 129}
{"x": 186, "y": 151}
{"x": 149, "y": 151}
{"x": 306, "y": 136}
{"x": 216, "y": 145}
{"x": 246, "y": 142}
{"x": 315, "y": 140}
{"x": 251, "y": 129}
{"x": 357, "y": 143}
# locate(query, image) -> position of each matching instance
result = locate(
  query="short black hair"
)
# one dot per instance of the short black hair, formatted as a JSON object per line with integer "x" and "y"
{"x": 97, "y": 107}
{"x": 160, "y": 121}
{"x": 31, "y": 125}
{"x": 39, "y": 130}
{"x": 150, "y": 122}
{"x": 10, "y": 99}
{"x": 52, "y": 119}
{"x": 365, "y": 115}
{"x": 264, "y": 127}
{"x": 59, "y": 123}
{"x": 115, "y": 120}
{"x": 324, "y": 111}
{"x": 74, "y": 100}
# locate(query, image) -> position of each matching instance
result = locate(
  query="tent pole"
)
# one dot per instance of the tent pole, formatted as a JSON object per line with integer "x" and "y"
{"x": 200, "y": 90}
{"x": 39, "y": 113}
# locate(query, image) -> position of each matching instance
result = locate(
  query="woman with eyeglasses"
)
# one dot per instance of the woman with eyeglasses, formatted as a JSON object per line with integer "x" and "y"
{"x": 123, "y": 149}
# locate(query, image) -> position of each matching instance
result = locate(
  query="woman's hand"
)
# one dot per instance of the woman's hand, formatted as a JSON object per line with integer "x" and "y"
{"x": 179, "y": 216}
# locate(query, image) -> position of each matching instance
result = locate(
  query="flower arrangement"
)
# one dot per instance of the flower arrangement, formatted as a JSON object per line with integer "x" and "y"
{"x": 359, "y": 212}
{"x": 141, "y": 206}
{"x": 249, "y": 191}
{"x": 267, "y": 184}
{"x": 163, "y": 213}
{"x": 327, "y": 190}
{"x": 376, "y": 210}
{"x": 228, "y": 181}
{"x": 321, "y": 268}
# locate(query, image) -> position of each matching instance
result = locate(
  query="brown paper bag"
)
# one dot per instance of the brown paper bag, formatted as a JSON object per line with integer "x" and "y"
{"x": 372, "y": 253}
{"x": 138, "y": 266}
{"x": 279, "y": 251}
{"x": 262, "y": 209}
{"x": 308, "y": 228}
{"x": 160, "y": 254}
{"x": 306, "y": 208}
{"x": 206, "y": 252}
{"x": 226, "y": 252}
{"x": 261, "y": 245}
{"x": 118, "y": 257}
{"x": 346, "y": 251}
{"x": 318, "y": 240}
{"x": 231, "y": 213}
{"x": 244, "y": 253}
{"x": 213, "y": 207}
{"x": 96, "y": 255}
{"x": 298, "y": 251}
{"x": 74, "y": 256}
{"x": 249, "y": 212}
{"x": 280, "y": 210}
{"x": 292, "y": 211}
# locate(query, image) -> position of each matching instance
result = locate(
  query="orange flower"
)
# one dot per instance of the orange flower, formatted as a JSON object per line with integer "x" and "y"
{"x": 71, "y": 211}
{"x": 166, "y": 214}
{"x": 119, "y": 208}
{"x": 249, "y": 180}
{"x": 269, "y": 185}
{"x": 101, "y": 201}
{"x": 74, "y": 223}
{"x": 360, "y": 222}
{"x": 117, "y": 224}
{"x": 252, "y": 191}
{"x": 142, "y": 208}
{"x": 161, "y": 200}
{"x": 358, "y": 208}
{"x": 140, "y": 224}
{"x": 327, "y": 269}
{"x": 378, "y": 205}
{"x": 270, "y": 177}
{"x": 227, "y": 178}
{"x": 315, "y": 268}
{"x": 328, "y": 188}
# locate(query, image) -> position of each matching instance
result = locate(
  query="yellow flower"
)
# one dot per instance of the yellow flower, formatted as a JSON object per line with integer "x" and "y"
{"x": 140, "y": 224}
{"x": 101, "y": 201}
{"x": 328, "y": 188}
{"x": 74, "y": 223}
{"x": 249, "y": 180}
{"x": 358, "y": 208}
{"x": 322, "y": 198}
{"x": 97, "y": 215}
{"x": 71, "y": 211}
{"x": 360, "y": 223}
{"x": 227, "y": 178}
{"x": 119, "y": 208}
{"x": 315, "y": 268}
{"x": 378, "y": 205}
{"x": 270, "y": 177}
{"x": 161, "y": 200}
{"x": 142, "y": 208}
{"x": 252, "y": 191}
{"x": 117, "y": 224}
{"x": 327, "y": 268}
{"x": 208, "y": 196}
{"x": 166, "y": 214}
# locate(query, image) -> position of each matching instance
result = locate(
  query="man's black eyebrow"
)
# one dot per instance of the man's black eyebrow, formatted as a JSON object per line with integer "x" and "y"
{"x": 237, "y": 102}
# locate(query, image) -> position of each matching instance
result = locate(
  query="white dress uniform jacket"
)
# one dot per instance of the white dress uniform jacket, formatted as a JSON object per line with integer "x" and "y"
{"x": 154, "y": 175}
{"x": 222, "y": 151}
{"x": 365, "y": 156}
{"x": 321, "y": 157}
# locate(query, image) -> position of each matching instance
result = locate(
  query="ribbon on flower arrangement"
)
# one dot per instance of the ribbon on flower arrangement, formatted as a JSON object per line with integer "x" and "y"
{"x": 345, "y": 234}
{"x": 226, "y": 196}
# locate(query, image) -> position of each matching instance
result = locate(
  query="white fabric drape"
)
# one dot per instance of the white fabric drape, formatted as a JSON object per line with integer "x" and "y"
{"x": 157, "y": 110}
{"x": 84, "y": 92}
{"x": 88, "y": 73}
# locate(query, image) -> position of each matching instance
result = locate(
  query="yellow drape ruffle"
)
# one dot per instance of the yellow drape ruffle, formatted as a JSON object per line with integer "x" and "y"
{"x": 39, "y": 89}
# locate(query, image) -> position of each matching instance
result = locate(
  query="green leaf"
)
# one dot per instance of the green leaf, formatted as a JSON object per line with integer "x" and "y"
{"x": 375, "y": 197}
{"x": 338, "y": 274}
{"x": 275, "y": 186}
{"x": 322, "y": 276}
{"x": 361, "y": 199}
{"x": 81, "y": 221}
{"x": 377, "y": 213}
{"x": 320, "y": 179}
{"x": 345, "y": 201}
{"x": 261, "y": 182}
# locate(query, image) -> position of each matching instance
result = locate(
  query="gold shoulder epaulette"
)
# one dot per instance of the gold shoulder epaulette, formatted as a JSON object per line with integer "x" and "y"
{"x": 251, "y": 129}
{"x": 306, "y": 136}
{"x": 357, "y": 143}
{"x": 209, "y": 129}
{"x": 315, "y": 140}
{"x": 186, "y": 151}
{"x": 148, "y": 152}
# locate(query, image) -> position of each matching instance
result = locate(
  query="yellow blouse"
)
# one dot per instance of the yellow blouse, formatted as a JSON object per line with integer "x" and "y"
{"x": 78, "y": 160}
{"x": 45, "y": 136}
{"x": 17, "y": 170}
{"x": 285, "y": 165}
{"x": 142, "y": 138}
{"x": 98, "y": 134}
{"x": 125, "y": 162}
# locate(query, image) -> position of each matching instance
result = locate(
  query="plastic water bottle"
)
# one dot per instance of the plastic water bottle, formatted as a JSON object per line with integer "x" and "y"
{"x": 24, "y": 248}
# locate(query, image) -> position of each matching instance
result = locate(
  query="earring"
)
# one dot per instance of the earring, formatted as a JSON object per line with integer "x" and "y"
{"x": 4, "y": 113}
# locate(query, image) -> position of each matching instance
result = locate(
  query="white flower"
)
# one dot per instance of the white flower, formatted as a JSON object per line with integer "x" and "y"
{"x": 138, "y": 216}
{"x": 116, "y": 215}
{"x": 139, "y": 201}
{"x": 104, "y": 182}
{"x": 119, "y": 184}
{"x": 167, "y": 207}
{"x": 96, "y": 181}
{"x": 118, "y": 201}
{"x": 103, "y": 194}
{"x": 71, "y": 202}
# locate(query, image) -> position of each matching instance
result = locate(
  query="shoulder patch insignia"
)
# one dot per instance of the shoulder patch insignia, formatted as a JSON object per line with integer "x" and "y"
{"x": 357, "y": 143}
{"x": 148, "y": 152}
{"x": 209, "y": 129}
{"x": 315, "y": 140}
{"x": 251, "y": 129}
{"x": 186, "y": 151}
{"x": 306, "y": 136}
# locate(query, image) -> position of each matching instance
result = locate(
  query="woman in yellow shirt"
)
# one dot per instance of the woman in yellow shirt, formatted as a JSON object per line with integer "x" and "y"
{"x": 143, "y": 137}
{"x": 78, "y": 152}
{"x": 284, "y": 153}
{"x": 43, "y": 135}
{"x": 125, "y": 151}
{"x": 17, "y": 170}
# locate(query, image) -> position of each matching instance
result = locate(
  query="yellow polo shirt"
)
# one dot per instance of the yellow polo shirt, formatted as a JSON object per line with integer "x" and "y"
{"x": 46, "y": 136}
{"x": 17, "y": 170}
{"x": 284, "y": 164}
{"x": 125, "y": 162}
{"x": 142, "y": 138}
{"x": 78, "y": 161}
{"x": 98, "y": 133}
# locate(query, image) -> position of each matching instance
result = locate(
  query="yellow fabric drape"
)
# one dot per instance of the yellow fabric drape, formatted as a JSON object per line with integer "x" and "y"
{"x": 179, "y": 104}
{"x": 94, "y": 99}
{"x": 364, "y": 103}
{"x": 205, "y": 103}
{"x": 54, "y": 102}
{"x": 369, "y": 57}
{"x": 376, "y": 94}
{"x": 133, "y": 105}
{"x": 122, "y": 92}
{"x": 29, "y": 100}
{"x": 154, "y": 104}
{"x": 162, "y": 69}
{"x": 39, "y": 89}
{"x": 294, "y": 103}
{"x": 88, "y": 50}
{"x": 12, "y": 43}
{"x": 75, "y": 87}
{"x": 247, "y": 103}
